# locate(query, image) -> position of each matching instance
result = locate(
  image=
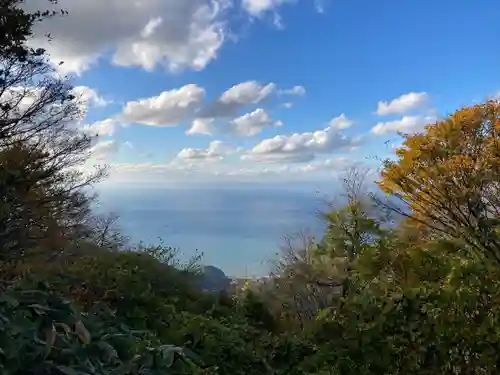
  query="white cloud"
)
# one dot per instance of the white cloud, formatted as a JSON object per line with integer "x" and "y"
{"x": 300, "y": 147}
{"x": 407, "y": 124}
{"x": 287, "y": 105}
{"x": 249, "y": 92}
{"x": 197, "y": 170}
{"x": 253, "y": 123}
{"x": 167, "y": 109}
{"x": 104, "y": 149}
{"x": 259, "y": 7}
{"x": 202, "y": 126}
{"x": 237, "y": 98}
{"x": 187, "y": 104}
{"x": 101, "y": 128}
{"x": 403, "y": 104}
{"x": 246, "y": 125}
{"x": 151, "y": 27}
{"x": 340, "y": 163}
{"x": 296, "y": 90}
{"x": 216, "y": 150}
{"x": 332, "y": 164}
{"x": 25, "y": 97}
{"x": 175, "y": 34}
{"x": 341, "y": 122}
{"x": 89, "y": 96}
{"x": 20, "y": 99}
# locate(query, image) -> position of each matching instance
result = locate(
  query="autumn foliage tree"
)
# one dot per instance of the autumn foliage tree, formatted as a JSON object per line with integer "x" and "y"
{"x": 449, "y": 178}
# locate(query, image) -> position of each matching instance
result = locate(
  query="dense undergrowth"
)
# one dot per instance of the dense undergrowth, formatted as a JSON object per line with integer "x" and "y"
{"x": 385, "y": 291}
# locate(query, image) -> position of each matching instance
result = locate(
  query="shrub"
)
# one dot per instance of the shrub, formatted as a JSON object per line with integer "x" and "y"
{"x": 53, "y": 338}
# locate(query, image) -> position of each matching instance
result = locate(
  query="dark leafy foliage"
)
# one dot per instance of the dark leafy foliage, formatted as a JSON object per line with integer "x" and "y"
{"x": 43, "y": 334}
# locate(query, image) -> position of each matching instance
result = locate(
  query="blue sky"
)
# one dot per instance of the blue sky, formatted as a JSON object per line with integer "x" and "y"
{"x": 287, "y": 90}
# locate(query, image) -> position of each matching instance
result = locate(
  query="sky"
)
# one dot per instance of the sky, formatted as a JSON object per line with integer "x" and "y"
{"x": 266, "y": 91}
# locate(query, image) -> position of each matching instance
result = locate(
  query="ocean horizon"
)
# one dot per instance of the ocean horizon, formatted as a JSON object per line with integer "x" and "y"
{"x": 239, "y": 230}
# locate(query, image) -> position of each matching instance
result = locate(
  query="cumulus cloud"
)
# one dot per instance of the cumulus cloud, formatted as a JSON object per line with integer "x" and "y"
{"x": 217, "y": 150}
{"x": 296, "y": 90}
{"x": 247, "y": 92}
{"x": 340, "y": 163}
{"x": 259, "y": 7}
{"x": 341, "y": 122}
{"x": 167, "y": 109}
{"x": 247, "y": 125}
{"x": 253, "y": 123}
{"x": 175, "y": 34}
{"x": 90, "y": 96}
{"x": 407, "y": 124}
{"x": 191, "y": 171}
{"x": 202, "y": 126}
{"x": 300, "y": 147}
{"x": 238, "y": 97}
{"x": 331, "y": 164}
{"x": 403, "y": 104}
{"x": 25, "y": 97}
{"x": 104, "y": 149}
{"x": 21, "y": 99}
{"x": 101, "y": 128}
{"x": 187, "y": 104}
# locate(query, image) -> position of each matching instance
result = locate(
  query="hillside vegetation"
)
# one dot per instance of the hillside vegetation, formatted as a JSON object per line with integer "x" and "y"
{"x": 406, "y": 288}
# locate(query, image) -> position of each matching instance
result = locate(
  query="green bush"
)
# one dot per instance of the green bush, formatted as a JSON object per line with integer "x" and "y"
{"x": 149, "y": 295}
{"x": 41, "y": 333}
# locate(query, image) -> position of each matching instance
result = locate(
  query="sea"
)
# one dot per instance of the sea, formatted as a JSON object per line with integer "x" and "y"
{"x": 239, "y": 230}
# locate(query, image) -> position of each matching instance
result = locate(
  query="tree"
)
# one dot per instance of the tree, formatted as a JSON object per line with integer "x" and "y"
{"x": 294, "y": 291}
{"x": 16, "y": 27}
{"x": 104, "y": 232}
{"x": 41, "y": 151}
{"x": 311, "y": 276}
{"x": 449, "y": 178}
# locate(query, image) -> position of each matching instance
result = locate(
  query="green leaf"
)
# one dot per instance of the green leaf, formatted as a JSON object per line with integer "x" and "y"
{"x": 39, "y": 309}
{"x": 193, "y": 356}
{"x": 9, "y": 300}
{"x": 66, "y": 370}
{"x": 169, "y": 356}
{"x": 323, "y": 314}
{"x": 108, "y": 348}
